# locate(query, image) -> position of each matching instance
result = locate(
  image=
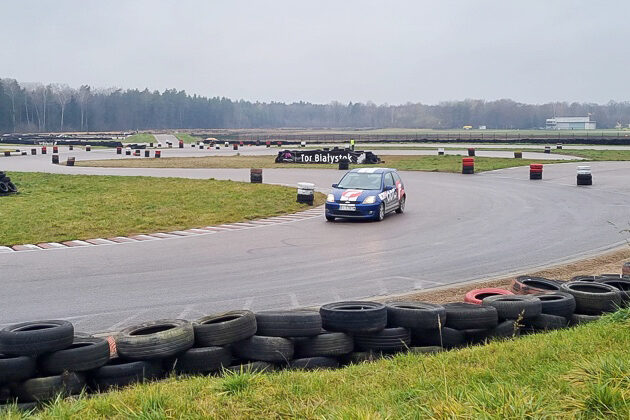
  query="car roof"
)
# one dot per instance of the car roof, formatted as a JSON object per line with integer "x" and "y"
{"x": 372, "y": 170}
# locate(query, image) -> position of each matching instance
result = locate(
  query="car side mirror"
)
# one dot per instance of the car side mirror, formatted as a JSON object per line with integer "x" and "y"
{"x": 334, "y": 185}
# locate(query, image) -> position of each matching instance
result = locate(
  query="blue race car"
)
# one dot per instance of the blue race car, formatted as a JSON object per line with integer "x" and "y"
{"x": 366, "y": 193}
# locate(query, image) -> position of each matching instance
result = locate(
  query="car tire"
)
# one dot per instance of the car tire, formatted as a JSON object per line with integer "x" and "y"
{"x": 155, "y": 339}
{"x": 577, "y": 319}
{"x": 326, "y": 344}
{"x": 264, "y": 349}
{"x": 330, "y": 218}
{"x": 514, "y": 306}
{"x": 592, "y": 298}
{"x": 415, "y": 315}
{"x": 118, "y": 373}
{"x": 85, "y": 353}
{"x": 381, "y": 213}
{"x": 557, "y": 303}
{"x": 200, "y": 360}
{"x": 314, "y": 363}
{"x": 16, "y": 368}
{"x": 623, "y": 286}
{"x": 505, "y": 329}
{"x": 446, "y": 337}
{"x": 388, "y": 340}
{"x": 35, "y": 338}
{"x": 466, "y": 316}
{"x": 47, "y": 388}
{"x": 225, "y": 328}
{"x": 401, "y": 206}
{"x": 546, "y": 322}
{"x": 527, "y": 285}
{"x": 295, "y": 323}
{"x": 354, "y": 316}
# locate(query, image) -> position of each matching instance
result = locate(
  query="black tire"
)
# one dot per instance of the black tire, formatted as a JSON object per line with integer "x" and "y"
{"x": 622, "y": 285}
{"x": 388, "y": 340}
{"x": 24, "y": 407}
{"x": 466, "y": 316}
{"x": 447, "y": 338}
{"x": 593, "y": 298}
{"x": 314, "y": 363}
{"x": 525, "y": 285}
{"x": 201, "y": 360}
{"x": 557, "y": 303}
{"x": 426, "y": 350}
{"x": 357, "y": 357}
{"x": 546, "y": 322}
{"x": 118, "y": 373}
{"x": 265, "y": 349}
{"x": 476, "y": 335}
{"x": 16, "y": 368}
{"x": 505, "y": 329}
{"x": 85, "y": 353}
{"x": 47, "y": 388}
{"x": 11, "y": 186}
{"x": 381, "y": 213}
{"x": 326, "y": 344}
{"x": 415, "y": 315}
{"x": 36, "y": 337}
{"x": 514, "y": 306}
{"x": 4, "y": 188}
{"x": 251, "y": 367}
{"x": 577, "y": 319}
{"x": 225, "y": 328}
{"x": 155, "y": 340}
{"x": 401, "y": 206}
{"x": 354, "y": 316}
{"x": 330, "y": 218}
{"x": 295, "y": 323}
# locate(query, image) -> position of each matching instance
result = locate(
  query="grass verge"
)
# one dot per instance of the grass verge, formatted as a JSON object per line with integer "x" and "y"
{"x": 52, "y": 207}
{"x": 446, "y": 163}
{"x": 582, "y": 372}
{"x": 186, "y": 138}
{"x": 140, "y": 138}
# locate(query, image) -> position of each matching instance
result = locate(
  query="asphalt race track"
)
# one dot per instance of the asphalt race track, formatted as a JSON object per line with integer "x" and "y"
{"x": 456, "y": 228}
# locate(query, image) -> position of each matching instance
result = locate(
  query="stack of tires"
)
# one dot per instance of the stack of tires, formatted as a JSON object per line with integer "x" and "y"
{"x": 6, "y": 186}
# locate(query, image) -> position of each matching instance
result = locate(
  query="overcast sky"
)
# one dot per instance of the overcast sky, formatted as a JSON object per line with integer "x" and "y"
{"x": 382, "y": 51}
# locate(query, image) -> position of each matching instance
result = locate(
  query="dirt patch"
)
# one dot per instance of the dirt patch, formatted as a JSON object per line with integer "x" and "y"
{"x": 611, "y": 262}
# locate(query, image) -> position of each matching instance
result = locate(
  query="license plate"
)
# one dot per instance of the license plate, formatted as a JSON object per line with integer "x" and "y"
{"x": 347, "y": 207}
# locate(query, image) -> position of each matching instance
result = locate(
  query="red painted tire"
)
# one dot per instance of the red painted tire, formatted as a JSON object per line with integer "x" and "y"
{"x": 477, "y": 295}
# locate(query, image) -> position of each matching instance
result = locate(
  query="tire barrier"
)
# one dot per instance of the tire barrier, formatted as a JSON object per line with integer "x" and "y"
{"x": 547, "y": 149}
{"x": 136, "y": 152}
{"x": 43, "y": 359}
{"x": 6, "y": 186}
{"x": 55, "y": 159}
{"x": 70, "y": 161}
{"x": 256, "y": 176}
{"x": 43, "y": 150}
{"x": 127, "y": 152}
{"x": 119, "y": 150}
{"x": 559, "y": 146}
{"x": 344, "y": 164}
{"x": 147, "y": 153}
{"x": 471, "y": 151}
{"x": 525, "y": 285}
{"x": 55, "y": 149}
{"x": 535, "y": 171}
{"x": 440, "y": 151}
{"x": 518, "y": 155}
{"x": 584, "y": 176}
{"x": 158, "y": 154}
{"x": 305, "y": 193}
{"x": 468, "y": 165}
{"x": 181, "y": 144}
{"x": 88, "y": 148}
{"x": 7, "y": 153}
{"x": 478, "y": 295}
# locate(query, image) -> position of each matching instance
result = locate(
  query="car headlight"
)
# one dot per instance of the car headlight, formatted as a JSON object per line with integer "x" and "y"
{"x": 330, "y": 198}
{"x": 370, "y": 199}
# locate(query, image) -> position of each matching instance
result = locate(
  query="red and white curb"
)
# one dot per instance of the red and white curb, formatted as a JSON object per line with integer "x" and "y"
{"x": 258, "y": 223}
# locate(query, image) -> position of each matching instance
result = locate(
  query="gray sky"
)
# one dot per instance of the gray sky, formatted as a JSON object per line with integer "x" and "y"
{"x": 385, "y": 51}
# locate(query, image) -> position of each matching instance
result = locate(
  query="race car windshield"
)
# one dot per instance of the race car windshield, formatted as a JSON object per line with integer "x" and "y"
{"x": 359, "y": 181}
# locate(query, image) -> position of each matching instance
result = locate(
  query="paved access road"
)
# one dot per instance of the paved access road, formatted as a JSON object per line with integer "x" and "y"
{"x": 456, "y": 228}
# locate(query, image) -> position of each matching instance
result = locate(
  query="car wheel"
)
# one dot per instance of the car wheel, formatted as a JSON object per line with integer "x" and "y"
{"x": 381, "y": 213}
{"x": 330, "y": 218}
{"x": 401, "y": 206}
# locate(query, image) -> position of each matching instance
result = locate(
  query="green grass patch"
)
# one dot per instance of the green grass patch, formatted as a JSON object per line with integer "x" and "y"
{"x": 186, "y": 138}
{"x": 52, "y": 207}
{"x": 446, "y": 163}
{"x": 597, "y": 155}
{"x": 578, "y": 373}
{"x": 140, "y": 138}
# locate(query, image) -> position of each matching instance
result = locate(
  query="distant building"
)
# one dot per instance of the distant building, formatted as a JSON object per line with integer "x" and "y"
{"x": 571, "y": 123}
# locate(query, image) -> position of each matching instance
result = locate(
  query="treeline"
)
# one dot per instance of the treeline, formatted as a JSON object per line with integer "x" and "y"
{"x": 45, "y": 108}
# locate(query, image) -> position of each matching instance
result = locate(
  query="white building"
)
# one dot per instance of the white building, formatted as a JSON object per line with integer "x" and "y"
{"x": 571, "y": 123}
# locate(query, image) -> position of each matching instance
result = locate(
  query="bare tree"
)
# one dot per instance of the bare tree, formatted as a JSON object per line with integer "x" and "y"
{"x": 12, "y": 88}
{"x": 83, "y": 97}
{"x": 63, "y": 94}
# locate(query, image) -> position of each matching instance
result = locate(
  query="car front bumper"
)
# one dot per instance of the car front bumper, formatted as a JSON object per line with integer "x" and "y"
{"x": 363, "y": 211}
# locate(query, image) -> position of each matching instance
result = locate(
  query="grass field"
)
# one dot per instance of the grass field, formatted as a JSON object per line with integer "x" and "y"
{"x": 186, "y": 138}
{"x": 579, "y": 373}
{"x": 52, "y": 208}
{"x": 447, "y": 163}
{"x": 140, "y": 138}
